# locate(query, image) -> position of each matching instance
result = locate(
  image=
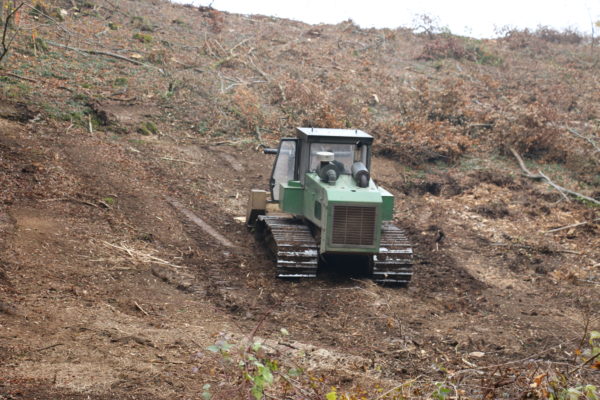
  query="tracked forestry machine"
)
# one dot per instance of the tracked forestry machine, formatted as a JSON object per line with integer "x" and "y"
{"x": 326, "y": 204}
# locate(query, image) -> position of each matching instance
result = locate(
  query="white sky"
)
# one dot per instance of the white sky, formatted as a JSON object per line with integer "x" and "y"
{"x": 477, "y": 18}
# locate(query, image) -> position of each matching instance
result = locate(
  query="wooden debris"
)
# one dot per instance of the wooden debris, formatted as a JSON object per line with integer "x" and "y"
{"x": 572, "y": 225}
{"x": 100, "y": 53}
{"x": 179, "y": 160}
{"x": 10, "y": 74}
{"x": 140, "y": 308}
{"x": 540, "y": 176}
{"x": 141, "y": 256}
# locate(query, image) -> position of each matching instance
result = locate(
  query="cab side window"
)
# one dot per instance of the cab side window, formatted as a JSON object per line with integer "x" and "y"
{"x": 285, "y": 166}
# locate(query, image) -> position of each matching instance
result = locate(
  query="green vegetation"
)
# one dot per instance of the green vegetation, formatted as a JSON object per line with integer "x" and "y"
{"x": 143, "y": 37}
{"x": 109, "y": 200}
{"x": 14, "y": 88}
{"x": 447, "y": 45}
{"x": 253, "y": 366}
{"x": 121, "y": 81}
{"x": 441, "y": 392}
{"x": 448, "y": 109}
{"x": 148, "y": 128}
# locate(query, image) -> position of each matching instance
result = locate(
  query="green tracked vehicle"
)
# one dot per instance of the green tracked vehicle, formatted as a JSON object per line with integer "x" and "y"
{"x": 329, "y": 205}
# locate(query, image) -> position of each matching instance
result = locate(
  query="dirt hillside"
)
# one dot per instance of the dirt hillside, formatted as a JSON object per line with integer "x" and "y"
{"x": 112, "y": 112}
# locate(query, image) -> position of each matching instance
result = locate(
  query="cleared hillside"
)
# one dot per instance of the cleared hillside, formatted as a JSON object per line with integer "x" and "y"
{"x": 109, "y": 110}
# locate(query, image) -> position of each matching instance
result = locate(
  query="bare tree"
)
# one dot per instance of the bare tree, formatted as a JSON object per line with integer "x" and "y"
{"x": 7, "y": 36}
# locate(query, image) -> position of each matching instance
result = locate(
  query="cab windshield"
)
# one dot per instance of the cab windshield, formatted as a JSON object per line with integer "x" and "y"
{"x": 346, "y": 154}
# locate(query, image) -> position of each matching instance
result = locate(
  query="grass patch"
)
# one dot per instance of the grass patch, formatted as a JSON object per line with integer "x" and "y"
{"x": 16, "y": 89}
{"x": 137, "y": 141}
{"x": 120, "y": 81}
{"x": 109, "y": 200}
{"x": 142, "y": 37}
{"x": 148, "y": 128}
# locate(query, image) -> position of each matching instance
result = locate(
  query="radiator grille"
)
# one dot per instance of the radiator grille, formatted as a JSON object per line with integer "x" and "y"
{"x": 353, "y": 225}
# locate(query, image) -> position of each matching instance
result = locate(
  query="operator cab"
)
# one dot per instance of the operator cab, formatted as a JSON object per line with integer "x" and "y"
{"x": 327, "y": 152}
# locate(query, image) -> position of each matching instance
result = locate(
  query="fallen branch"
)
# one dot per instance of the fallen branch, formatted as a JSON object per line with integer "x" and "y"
{"x": 39, "y": 11}
{"x": 260, "y": 71}
{"x": 224, "y": 60}
{"x": 559, "y": 189}
{"x": 531, "y": 358}
{"x": 116, "y": 8}
{"x": 250, "y": 337}
{"x": 588, "y": 361}
{"x": 140, "y": 308}
{"x": 395, "y": 388}
{"x": 98, "y": 52}
{"x": 179, "y": 160}
{"x": 572, "y": 225}
{"x": 186, "y": 66}
{"x": 141, "y": 256}
{"x": 526, "y": 171}
{"x": 588, "y": 139}
{"x": 589, "y": 281}
{"x": 166, "y": 362}
{"x": 74, "y": 200}
{"x": 48, "y": 347}
{"x": 19, "y": 77}
{"x": 40, "y": 349}
{"x": 540, "y": 176}
{"x": 238, "y": 45}
{"x": 527, "y": 247}
{"x": 231, "y": 53}
{"x": 127, "y": 100}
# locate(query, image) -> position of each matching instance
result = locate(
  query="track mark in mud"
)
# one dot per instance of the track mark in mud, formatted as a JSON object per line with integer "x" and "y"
{"x": 231, "y": 160}
{"x": 200, "y": 222}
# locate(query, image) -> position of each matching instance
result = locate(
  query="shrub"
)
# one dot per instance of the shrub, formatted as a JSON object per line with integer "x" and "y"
{"x": 148, "y": 128}
{"x": 422, "y": 141}
{"x": 535, "y": 134}
{"x": 247, "y": 109}
{"x": 538, "y": 40}
{"x": 444, "y": 46}
{"x": 568, "y": 36}
{"x": 449, "y": 46}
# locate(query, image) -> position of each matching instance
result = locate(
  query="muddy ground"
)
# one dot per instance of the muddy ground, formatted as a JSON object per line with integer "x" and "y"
{"x": 87, "y": 312}
{"x": 108, "y": 291}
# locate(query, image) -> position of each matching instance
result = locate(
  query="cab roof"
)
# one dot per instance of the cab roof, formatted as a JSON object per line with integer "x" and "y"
{"x": 334, "y": 135}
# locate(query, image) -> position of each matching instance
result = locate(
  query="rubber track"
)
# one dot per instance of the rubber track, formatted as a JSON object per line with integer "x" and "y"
{"x": 293, "y": 245}
{"x": 393, "y": 263}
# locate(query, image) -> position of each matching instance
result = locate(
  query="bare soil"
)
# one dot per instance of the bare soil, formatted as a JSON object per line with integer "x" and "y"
{"x": 86, "y": 312}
